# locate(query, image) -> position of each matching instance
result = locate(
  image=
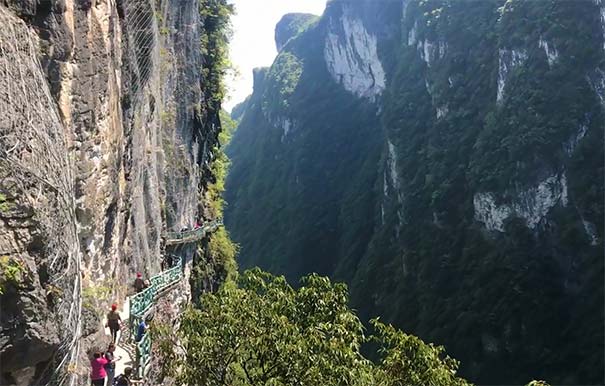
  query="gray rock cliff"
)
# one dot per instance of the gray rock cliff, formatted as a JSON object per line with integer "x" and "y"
{"x": 106, "y": 141}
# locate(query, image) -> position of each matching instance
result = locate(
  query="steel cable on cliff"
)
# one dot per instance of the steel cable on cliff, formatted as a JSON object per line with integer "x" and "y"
{"x": 36, "y": 166}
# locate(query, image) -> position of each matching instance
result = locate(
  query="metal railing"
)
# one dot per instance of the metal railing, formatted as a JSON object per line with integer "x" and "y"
{"x": 143, "y": 355}
{"x": 141, "y": 303}
{"x": 193, "y": 234}
{"x": 167, "y": 278}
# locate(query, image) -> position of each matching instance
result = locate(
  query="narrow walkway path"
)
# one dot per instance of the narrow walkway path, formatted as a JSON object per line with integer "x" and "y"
{"x": 126, "y": 349}
{"x": 125, "y": 357}
{"x": 193, "y": 235}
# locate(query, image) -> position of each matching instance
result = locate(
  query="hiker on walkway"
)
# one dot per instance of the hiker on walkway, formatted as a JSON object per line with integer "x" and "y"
{"x": 142, "y": 329}
{"x": 124, "y": 379}
{"x": 98, "y": 374}
{"x": 139, "y": 283}
{"x": 114, "y": 322}
{"x": 110, "y": 368}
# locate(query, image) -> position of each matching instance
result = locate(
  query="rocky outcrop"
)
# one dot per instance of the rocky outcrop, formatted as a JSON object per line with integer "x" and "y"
{"x": 351, "y": 55}
{"x": 532, "y": 204}
{"x": 106, "y": 142}
{"x": 508, "y": 60}
{"x": 552, "y": 55}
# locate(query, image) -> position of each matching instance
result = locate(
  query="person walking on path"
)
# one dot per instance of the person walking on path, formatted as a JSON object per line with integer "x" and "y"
{"x": 98, "y": 374}
{"x": 139, "y": 283}
{"x": 114, "y": 322}
{"x": 110, "y": 368}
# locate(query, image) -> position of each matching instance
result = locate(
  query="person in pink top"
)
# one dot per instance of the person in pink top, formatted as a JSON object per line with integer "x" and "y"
{"x": 98, "y": 374}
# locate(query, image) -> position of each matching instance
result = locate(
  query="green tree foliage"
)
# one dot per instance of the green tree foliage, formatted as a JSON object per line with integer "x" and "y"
{"x": 407, "y": 360}
{"x": 262, "y": 331}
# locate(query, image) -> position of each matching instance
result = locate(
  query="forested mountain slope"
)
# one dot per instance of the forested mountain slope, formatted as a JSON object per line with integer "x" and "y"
{"x": 445, "y": 159}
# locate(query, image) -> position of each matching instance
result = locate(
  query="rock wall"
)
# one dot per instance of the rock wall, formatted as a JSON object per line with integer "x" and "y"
{"x": 351, "y": 55}
{"x": 106, "y": 142}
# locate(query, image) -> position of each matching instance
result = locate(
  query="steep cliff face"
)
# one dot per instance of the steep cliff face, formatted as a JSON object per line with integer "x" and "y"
{"x": 106, "y": 138}
{"x": 445, "y": 158}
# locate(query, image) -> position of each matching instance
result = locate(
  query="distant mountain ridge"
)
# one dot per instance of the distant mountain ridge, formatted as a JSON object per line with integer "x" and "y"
{"x": 445, "y": 159}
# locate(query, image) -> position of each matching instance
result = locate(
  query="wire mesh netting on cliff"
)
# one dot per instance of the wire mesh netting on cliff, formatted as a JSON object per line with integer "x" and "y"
{"x": 36, "y": 172}
{"x": 140, "y": 30}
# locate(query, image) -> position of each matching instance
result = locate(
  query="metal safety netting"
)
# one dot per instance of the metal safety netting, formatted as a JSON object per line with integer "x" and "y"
{"x": 35, "y": 167}
{"x": 141, "y": 36}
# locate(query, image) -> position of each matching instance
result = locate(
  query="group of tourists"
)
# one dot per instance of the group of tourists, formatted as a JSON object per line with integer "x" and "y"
{"x": 104, "y": 364}
{"x": 198, "y": 225}
{"x": 104, "y": 368}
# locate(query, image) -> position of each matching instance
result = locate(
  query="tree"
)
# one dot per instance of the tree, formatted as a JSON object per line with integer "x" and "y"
{"x": 261, "y": 331}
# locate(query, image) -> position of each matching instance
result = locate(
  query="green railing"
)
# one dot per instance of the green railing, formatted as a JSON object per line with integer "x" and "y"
{"x": 143, "y": 355}
{"x": 142, "y": 302}
{"x": 168, "y": 277}
{"x": 194, "y": 234}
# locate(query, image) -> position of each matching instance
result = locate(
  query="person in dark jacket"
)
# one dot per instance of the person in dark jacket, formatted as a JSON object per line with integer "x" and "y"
{"x": 139, "y": 283}
{"x": 125, "y": 379}
{"x": 114, "y": 322}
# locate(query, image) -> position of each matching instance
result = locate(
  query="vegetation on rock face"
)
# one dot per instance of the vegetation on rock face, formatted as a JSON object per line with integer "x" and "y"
{"x": 11, "y": 272}
{"x": 221, "y": 248}
{"x": 281, "y": 81}
{"x": 219, "y": 252}
{"x": 291, "y": 25}
{"x": 3, "y": 203}
{"x": 215, "y": 16}
{"x": 219, "y": 167}
{"x": 261, "y": 331}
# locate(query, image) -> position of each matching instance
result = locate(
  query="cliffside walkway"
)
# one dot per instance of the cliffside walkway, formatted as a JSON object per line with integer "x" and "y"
{"x": 193, "y": 235}
{"x": 123, "y": 351}
{"x": 138, "y": 354}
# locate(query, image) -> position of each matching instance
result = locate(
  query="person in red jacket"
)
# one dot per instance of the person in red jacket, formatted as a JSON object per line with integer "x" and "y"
{"x": 98, "y": 374}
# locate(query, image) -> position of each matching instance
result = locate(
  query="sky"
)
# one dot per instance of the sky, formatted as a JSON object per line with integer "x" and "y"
{"x": 253, "y": 42}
